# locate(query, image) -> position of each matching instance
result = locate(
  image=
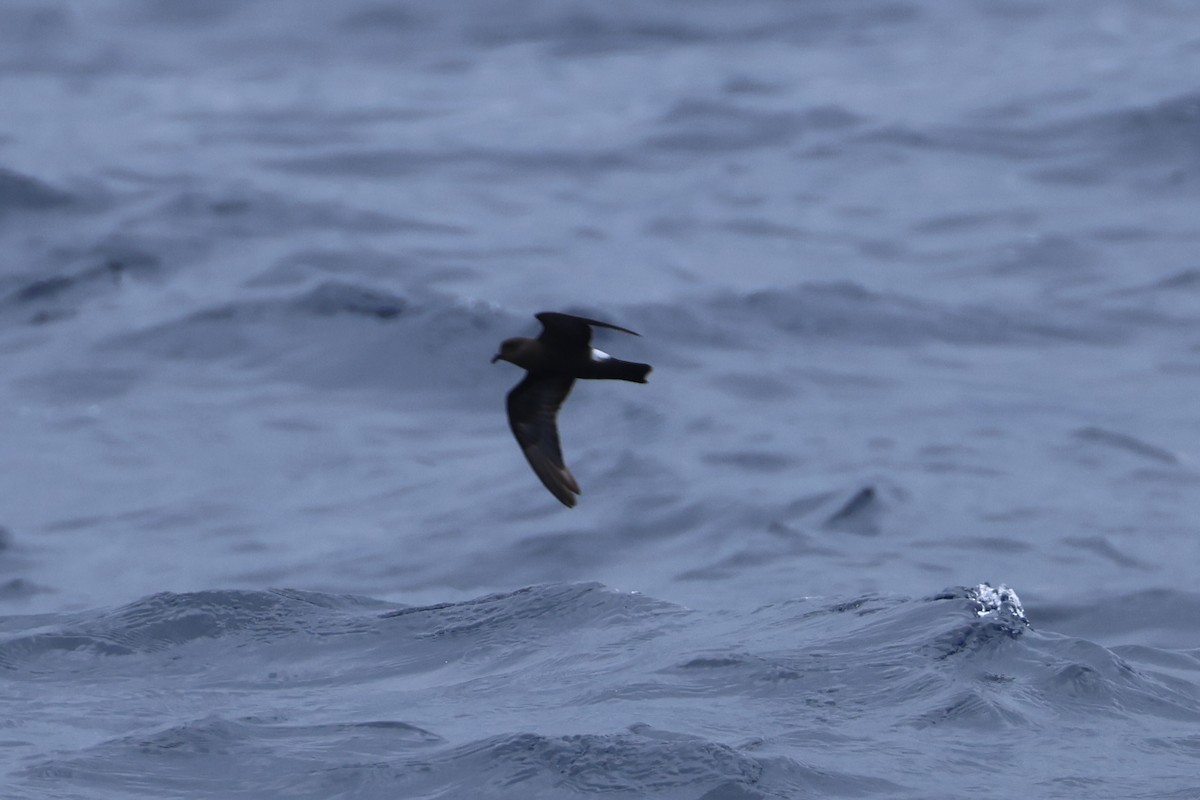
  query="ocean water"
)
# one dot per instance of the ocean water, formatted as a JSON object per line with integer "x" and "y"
{"x": 910, "y": 507}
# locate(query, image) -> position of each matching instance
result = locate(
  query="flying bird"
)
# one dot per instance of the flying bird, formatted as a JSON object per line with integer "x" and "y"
{"x": 553, "y": 362}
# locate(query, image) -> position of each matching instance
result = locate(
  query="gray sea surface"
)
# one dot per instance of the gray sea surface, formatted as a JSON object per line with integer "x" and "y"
{"x": 909, "y": 508}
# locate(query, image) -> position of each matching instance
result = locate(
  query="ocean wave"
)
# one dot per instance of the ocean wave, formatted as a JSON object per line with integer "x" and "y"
{"x": 20, "y": 192}
{"x": 439, "y": 699}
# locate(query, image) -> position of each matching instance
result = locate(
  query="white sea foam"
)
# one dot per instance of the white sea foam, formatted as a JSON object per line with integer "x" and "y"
{"x": 997, "y": 600}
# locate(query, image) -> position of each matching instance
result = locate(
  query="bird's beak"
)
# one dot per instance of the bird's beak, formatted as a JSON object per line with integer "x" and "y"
{"x": 495, "y": 358}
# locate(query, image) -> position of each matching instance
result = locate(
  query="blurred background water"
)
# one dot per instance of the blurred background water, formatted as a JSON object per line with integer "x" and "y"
{"x": 920, "y": 285}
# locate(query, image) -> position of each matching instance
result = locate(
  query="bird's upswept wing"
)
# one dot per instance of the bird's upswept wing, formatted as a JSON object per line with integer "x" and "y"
{"x": 570, "y": 329}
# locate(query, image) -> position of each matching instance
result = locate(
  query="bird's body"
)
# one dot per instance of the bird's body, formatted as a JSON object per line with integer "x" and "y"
{"x": 553, "y": 361}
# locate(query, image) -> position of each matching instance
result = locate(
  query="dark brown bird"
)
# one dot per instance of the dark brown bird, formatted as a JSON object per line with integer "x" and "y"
{"x": 554, "y": 361}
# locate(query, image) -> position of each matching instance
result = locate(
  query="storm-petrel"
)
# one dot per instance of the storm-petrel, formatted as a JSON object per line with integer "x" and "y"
{"x": 553, "y": 362}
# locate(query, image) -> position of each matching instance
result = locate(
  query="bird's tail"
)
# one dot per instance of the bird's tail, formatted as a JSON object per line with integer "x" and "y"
{"x": 616, "y": 369}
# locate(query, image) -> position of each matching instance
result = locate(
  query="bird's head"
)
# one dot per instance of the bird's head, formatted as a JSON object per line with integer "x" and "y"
{"x": 517, "y": 351}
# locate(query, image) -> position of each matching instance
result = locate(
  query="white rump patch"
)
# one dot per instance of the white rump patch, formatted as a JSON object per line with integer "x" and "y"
{"x": 600, "y": 355}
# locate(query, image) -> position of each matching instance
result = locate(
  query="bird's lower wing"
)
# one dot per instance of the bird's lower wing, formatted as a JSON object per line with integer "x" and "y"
{"x": 532, "y": 410}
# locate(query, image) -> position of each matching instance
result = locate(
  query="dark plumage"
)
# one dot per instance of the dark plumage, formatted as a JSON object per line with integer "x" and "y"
{"x": 553, "y": 362}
